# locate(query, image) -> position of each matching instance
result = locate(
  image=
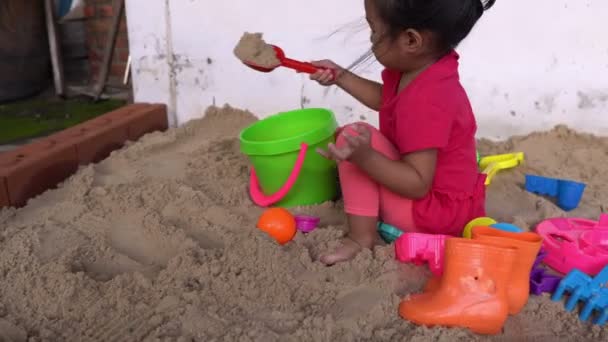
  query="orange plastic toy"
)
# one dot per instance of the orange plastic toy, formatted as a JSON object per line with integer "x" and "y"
{"x": 527, "y": 245}
{"x": 472, "y": 292}
{"x": 279, "y": 224}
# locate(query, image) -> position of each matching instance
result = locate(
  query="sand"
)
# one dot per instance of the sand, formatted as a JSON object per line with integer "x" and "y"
{"x": 158, "y": 243}
{"x": 251, "y": 48}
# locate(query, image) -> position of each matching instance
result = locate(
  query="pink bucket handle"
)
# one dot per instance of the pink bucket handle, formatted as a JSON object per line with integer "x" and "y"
{"x": 263, "y": 200}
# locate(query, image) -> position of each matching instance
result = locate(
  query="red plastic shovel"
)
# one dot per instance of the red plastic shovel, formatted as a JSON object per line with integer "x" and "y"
{"x": 305, "y": 67}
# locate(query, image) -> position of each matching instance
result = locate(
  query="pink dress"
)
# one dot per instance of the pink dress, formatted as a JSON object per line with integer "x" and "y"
{"x": 432, "y": 112}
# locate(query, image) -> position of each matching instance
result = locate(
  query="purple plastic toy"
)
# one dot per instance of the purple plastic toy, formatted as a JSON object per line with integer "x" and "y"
{"x": 306, "y": 224}
{"x": 541, "y": 281}
{"x": 539, "y": 258}
{"x": 420, "y": 248}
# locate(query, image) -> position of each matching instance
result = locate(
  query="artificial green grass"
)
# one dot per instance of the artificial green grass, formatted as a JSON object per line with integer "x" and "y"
{"x": 34, "y": 118}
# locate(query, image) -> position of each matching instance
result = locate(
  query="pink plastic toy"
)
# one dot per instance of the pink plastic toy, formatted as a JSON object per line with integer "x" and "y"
{"x": 575, "y": 243}
{"x": 306, "y": 223}
{"x": 419, "y": 248}
{"x": 255, "y": 190}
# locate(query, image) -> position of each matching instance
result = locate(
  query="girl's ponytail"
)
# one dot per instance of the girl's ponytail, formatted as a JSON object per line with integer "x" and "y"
{"x": 486, "y": 4}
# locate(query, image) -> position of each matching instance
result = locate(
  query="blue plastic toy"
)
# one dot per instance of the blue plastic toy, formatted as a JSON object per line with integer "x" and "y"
{"x": 572, "y": 281}
{"x": 603, "y": 317}
{"x": 598, "y": 302}
{"x": 507, "y": 227}
{"x": 584, "y": 293}
{"x": 388, "y": 233}
{"x": 567, "y": 192}
{"x": 593, "y": 291}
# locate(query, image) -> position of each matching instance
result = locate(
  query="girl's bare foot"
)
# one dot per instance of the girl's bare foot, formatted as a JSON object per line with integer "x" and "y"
{"x": 362, "y": 234}
{"x": 348, "y": 249}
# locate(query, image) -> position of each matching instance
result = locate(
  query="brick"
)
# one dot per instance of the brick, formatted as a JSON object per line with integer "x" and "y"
{"x": 120, "y": 57}
{"x": 32, "y": 169}
{"x": 143, "y": 119}
{"x": 148, "y": 120}
{"x": 122, "y": 42}
{"x": 100, "y": 25}
{"x": 93, "y": 41}
{"x": 105, "y": 10}
{"x": 89, "y": 11}
{"x": 95, "y": 139}
{"x": 115, "y": 81}
{"x": 123, "y": 55}
{"x": 123, "y": 24}
{"x": 123, "y": 114}
{"x": 118, "y": 69}
{"x": 97, "y": 41}
{"x": 123, "y": 34}
{"x": 94, "y": 71}
{"x": 4, "y": 200}
{"x": 94, "y": 57}
{"x": 90, "y": 30}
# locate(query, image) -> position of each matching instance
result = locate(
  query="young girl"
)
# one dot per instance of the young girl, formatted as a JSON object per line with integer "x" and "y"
{"x": 419, "y": 171}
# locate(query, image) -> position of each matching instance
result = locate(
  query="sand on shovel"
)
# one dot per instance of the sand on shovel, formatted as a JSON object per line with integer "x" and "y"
{"x": 251, "y": 48}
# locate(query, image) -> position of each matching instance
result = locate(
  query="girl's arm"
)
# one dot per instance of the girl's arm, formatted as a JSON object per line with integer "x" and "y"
{"x": 365, "y": 91}
{"x": 410, "y": 177}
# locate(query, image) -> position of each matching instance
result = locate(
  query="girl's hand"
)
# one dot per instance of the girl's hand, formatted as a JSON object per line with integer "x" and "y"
{"x": 357, "y": 149}
{"x": 326, "y": 77}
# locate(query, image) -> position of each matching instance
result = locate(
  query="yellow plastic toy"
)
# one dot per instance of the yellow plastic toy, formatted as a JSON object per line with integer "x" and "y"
{"x": 492, "y": 164}
{"x": 478, "y": 222}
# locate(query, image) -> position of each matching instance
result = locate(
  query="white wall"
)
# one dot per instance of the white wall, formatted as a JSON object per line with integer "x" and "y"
{"x": 528, "y": 65}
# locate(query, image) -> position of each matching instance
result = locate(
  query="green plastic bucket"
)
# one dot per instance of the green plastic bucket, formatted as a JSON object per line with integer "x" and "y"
{"x": 286, "y": 170}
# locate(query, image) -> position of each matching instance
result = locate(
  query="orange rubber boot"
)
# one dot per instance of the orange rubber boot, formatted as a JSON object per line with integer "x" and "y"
{"x": 472, "y": 292}
{"x": 528, "y": 245}
{"x": 432, "y": 284}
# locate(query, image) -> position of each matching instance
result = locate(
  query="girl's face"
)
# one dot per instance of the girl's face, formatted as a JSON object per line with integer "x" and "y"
{"x": 383, "y": 46}
{"x": 402, "y": 52}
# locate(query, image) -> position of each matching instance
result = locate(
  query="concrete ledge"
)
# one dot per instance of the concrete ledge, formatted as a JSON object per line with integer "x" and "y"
{"x": 32, "y": 169}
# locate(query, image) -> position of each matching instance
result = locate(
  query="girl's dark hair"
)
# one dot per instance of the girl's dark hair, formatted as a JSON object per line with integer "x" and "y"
{"x": 450, "y": 20}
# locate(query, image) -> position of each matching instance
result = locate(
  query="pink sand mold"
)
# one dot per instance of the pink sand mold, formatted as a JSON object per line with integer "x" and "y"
{"x": 420, "y": 248}
{"x": 591, "y": 291}
{"x": 575, "y": 243}
{"x": 306, "y": 223}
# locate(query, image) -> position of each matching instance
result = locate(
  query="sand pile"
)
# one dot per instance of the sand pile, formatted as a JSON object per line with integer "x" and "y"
{"x": 158, "y": 243}
{"x": 251, "y": 48}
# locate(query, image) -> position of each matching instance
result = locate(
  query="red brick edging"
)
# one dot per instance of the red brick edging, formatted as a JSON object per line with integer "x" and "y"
{"x": 32, "y": 169}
